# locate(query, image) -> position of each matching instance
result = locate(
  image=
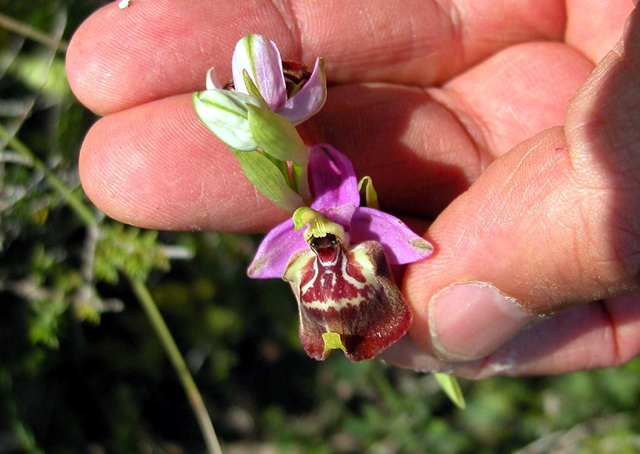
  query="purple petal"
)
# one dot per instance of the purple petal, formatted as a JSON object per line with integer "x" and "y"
{"x": 309, "y": 100}
{"x": 333, "y": 184}
{"x": 275, "y": 250}
{"x": 261, "y": 58}
{"x": 400, "y": 244}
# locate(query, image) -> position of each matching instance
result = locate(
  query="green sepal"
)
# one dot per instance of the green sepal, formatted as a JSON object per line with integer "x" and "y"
{"x": 451, "y": 388}
{"x": 332, "y": 341}
{"x": 276, "y": 136}
{"x": 225, "y": 114}
{"x": 368, "y": 193}
{"x": 252, "y": 89}
{"x": 268, "y": 179}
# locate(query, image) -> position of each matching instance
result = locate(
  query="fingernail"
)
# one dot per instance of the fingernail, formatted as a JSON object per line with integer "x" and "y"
{"x": 470, "y": 321}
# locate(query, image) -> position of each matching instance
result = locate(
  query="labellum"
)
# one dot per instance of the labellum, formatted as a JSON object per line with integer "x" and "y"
{"x": 348, "y": 291}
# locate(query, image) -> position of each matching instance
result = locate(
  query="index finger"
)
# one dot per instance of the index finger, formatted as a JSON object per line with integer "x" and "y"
{"x": 154, "y": 49}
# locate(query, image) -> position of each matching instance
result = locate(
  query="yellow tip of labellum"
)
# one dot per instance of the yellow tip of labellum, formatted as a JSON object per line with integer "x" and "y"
{"x": 332, "y": 341}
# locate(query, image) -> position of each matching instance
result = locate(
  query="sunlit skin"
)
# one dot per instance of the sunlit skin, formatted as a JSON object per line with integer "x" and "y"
{"x": 432, "y": 99}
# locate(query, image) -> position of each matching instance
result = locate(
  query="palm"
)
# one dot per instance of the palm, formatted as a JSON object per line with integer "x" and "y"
{"x": 427, "y": 94}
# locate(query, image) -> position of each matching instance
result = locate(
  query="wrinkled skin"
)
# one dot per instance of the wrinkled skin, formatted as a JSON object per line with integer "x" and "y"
{"x": 532, "y": 184}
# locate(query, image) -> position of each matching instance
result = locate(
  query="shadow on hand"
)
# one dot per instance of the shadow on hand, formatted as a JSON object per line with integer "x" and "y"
{"x": 419, "y": 156}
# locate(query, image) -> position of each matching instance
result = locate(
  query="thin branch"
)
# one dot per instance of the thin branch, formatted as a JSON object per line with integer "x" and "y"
{"x": 84, "y": 212}
{"x": 141, "y": 292}
{"x": 89, "y": 251}
{"x": 179, "y": 365}
{"x": 12, "y": 107}
{"x": 15, "y": 158}
{"x": 28, "y": 31}
{"x": 177, "y": 252}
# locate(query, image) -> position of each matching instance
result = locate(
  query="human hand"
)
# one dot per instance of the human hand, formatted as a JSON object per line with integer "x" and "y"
{"x": 552, "y": 222}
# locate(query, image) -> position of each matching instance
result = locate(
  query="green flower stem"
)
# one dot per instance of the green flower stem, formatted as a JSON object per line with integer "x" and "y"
{"x": 170, "y": 347}
{"x": 28, "y": 31}
{"x": 142, "y": 293}
{"x": 86, "y": 215}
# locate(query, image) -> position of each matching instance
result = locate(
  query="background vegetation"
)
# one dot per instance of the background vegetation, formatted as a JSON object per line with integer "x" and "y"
{"x": 82, "y": 371}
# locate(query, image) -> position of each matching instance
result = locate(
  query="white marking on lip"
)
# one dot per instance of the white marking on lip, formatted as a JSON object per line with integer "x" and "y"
{"x": 335, "y": 304}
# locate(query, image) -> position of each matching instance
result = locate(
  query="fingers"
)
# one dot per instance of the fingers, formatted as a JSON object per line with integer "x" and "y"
{"x": 157, "y": 166}
{"x": 516, "y": 93}
{"x": 600, "y": 334}
{"x": 402, "y": 135}
{"x": 502, "y": 101}
{"x": 154, "y": 49}
{"x": 594, "y": 26}
{"x": 425, "y": 140}
{"x": 553, "y": 223}
{"x": 595, "y": 335}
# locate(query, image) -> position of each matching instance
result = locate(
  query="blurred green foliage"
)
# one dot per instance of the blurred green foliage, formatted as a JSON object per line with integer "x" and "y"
{"x": 81, "y": 370}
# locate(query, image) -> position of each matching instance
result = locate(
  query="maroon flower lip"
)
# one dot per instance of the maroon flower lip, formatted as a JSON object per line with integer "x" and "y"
{"x": 348, "y": 292}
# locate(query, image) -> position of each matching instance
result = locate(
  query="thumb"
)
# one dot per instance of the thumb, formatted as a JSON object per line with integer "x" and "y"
{"x": 553, "y": 223}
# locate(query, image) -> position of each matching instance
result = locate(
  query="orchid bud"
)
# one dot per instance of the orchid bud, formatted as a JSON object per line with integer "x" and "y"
{"x": 225, "y": 113}
{"x": 276, "y": 136}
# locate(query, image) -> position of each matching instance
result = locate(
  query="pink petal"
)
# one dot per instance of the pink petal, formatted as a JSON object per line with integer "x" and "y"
{"x": 400, "y": 244}
{"x": 333, "y": 184}
{"x": 261, "y": 58}
{"x": 309, "y": 100}
{"x": 275, "y": 250}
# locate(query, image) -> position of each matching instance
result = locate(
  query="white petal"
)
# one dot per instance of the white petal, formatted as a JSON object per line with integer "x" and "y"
{"x": 213, "y": 81}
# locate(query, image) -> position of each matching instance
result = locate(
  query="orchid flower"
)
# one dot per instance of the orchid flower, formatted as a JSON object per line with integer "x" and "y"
{"x": 260, "y": 82}
{"x": 256, "y": 120}
{"x": 338, "y": 268}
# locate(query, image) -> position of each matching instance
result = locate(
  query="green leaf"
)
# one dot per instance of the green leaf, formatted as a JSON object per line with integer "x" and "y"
{"x": 225, "y": 114}
{"x": 368, "y": 193}
{"x": 36, "y": 73}
{"x": 451, "y": 388}
{"x": 45, "y": 319}
{"x": 268, "y": 179}
{"x": 130, "y": 251}
{"x": 276, "y": 136}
